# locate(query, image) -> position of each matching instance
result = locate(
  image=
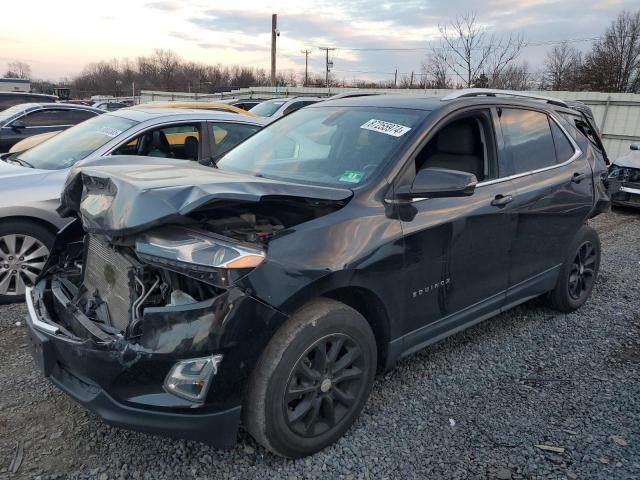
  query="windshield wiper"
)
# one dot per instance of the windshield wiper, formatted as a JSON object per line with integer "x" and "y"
{"x": 14, "y": 158}
{"x": 24, "y": 163}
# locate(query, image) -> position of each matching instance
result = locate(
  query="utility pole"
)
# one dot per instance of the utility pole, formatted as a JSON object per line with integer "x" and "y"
{"x": 326, "y": 75}
{"x": 274, "y": 34}
{"x": 411, "y": 81}
{"x": 306, "y": 66}
{"x": 395, "y": 79}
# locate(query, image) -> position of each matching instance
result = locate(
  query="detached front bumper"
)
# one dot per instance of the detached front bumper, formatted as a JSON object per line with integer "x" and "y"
{"x": 122, "y": 382}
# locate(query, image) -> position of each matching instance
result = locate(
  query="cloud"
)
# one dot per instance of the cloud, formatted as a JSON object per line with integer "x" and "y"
{"x": 164, "y": 5}
{"x": 184, "y": 36}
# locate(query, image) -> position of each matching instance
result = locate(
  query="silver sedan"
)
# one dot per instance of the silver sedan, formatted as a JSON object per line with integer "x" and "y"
{"x": 32, "y": 180}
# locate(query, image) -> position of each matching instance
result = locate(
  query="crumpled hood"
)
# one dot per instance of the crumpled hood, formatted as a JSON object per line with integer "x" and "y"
{"x": 630, "y": 160}
{"x": 132, "y": 194}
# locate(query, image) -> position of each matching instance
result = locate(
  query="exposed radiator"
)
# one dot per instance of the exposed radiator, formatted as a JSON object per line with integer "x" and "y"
{"x": 109, "y": 274}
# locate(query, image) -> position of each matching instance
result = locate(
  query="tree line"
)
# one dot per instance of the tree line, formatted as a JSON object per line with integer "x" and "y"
{"x": 467, "y": 55}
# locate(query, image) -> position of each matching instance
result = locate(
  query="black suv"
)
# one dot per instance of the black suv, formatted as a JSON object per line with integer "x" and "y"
{"x": 270, "y": 289}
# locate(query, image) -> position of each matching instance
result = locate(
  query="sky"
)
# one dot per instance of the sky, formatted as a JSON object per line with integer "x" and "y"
{"x": 59, "y": 38}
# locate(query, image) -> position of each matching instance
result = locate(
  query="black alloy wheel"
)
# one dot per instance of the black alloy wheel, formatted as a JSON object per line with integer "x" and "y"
{"x": 323, "y": 385}
{"x": 583, "y": 271}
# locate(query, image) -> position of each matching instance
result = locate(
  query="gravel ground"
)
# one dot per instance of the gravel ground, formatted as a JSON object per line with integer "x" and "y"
{"x": 477, "y": 405}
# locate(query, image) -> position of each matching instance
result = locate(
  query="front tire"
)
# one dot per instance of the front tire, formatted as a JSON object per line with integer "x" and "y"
{"x": 578, "y": 273}
{"x": 312, "y": 380}
{"x": 24, "y": 248}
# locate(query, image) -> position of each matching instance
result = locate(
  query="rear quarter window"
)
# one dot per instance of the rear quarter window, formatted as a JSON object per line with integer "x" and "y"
{"x": 564, "y": 148}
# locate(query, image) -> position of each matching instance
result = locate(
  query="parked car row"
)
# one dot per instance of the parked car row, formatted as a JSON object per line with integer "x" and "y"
{"x": 214, "y": 272}
{"x": 27, "y": 119}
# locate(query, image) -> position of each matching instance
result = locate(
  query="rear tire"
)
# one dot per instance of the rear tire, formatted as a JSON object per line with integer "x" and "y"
{"x": 24, "y": 249}
{"x": 312, "y": 380}
{"x": 578, "y": 273}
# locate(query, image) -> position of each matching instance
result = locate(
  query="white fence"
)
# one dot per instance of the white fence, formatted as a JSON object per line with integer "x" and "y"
{"x": 617, "y": 114}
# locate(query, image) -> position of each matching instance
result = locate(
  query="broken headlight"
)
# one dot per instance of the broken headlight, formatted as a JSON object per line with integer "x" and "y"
{"x": 196, "y": 254}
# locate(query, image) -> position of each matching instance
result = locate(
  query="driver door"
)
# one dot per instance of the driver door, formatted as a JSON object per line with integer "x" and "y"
{"x": 457, "y": 249}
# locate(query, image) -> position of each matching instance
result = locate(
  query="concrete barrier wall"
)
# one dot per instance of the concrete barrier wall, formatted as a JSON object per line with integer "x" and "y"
{"x": 617, "y": 114}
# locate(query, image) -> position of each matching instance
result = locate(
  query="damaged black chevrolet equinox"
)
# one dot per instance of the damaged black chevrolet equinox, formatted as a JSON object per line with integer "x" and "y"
{"x": 270, "y": 285}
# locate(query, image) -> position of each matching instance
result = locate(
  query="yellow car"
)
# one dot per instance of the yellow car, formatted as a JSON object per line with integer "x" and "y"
{"x": 198, "y": 106}
{"x": 31, "y": 141}
{"x": 34, "y": 140}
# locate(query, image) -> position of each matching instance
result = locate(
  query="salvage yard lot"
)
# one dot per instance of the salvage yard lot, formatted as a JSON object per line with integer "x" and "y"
{"x": 478, "y": 405}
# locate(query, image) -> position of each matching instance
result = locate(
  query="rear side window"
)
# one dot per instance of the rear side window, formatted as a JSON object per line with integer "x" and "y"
{"x": 46, "y": 118}
{"x": 225, "y": 136}
{"x": 528, "y": 138}
{"x": 564, "y": 148}
{"x": 293, "y": 107}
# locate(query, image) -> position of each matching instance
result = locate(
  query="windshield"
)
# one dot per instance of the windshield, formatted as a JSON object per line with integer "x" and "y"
{"x": 76, "y": 143}
{"x": 268, "y": 108}
{"x": 333, "y": 146}
{"x": 11, "y": 111}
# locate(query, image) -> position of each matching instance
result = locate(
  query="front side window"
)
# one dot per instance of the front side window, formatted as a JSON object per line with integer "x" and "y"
{"x": 528, "y": 138}
{"x": 180, "y": 141}
{"x": 76, "y": 143}
{"x": 465, "y": 144}
{"x": 334, "y": 146}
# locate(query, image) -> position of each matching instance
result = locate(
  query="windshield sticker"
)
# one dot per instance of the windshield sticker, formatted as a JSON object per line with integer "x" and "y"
{"x": 387, "y": 128}
{"x": 109, "y": 132}
{"x": 352, "y": 176}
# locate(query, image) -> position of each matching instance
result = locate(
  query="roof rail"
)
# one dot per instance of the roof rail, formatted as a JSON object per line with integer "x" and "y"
{"x": 490, "y": 92}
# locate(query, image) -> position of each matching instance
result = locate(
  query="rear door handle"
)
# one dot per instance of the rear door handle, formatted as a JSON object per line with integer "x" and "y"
{"x": 578, "y": 177}
{"x": 501, "y": 200}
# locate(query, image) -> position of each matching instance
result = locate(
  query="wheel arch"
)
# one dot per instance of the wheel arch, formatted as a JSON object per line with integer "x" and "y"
{"x": 371, "y": 307}
{"x": 25, "y": 218}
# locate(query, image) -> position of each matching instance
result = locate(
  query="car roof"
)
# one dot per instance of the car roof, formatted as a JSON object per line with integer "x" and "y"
{"x": 414, "y": 102}
{"x": 141, "y": 114}
{"x": 69, "y": 106}
{"x": 430, "y": 103}
{"x": 28, "y": 94}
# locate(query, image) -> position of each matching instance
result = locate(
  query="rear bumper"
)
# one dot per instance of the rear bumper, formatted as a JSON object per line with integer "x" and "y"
{"x": 59, "y": 357}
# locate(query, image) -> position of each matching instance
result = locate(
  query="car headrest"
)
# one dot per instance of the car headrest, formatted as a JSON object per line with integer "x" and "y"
{"x": 191, "y": 147}
{"x": 458, "y": 139}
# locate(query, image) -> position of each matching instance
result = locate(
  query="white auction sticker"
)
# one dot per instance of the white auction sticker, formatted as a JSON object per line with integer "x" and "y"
{"x": 387, "y": 128}
{"x": 109, "y": 132}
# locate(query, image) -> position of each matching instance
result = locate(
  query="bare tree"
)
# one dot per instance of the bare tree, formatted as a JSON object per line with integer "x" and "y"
{"x": 435, "y": 73}
{"x": 613, "y": 65}
{"x": 18, "y": 69}
{"x": 562, "y": 68}
{"x": 513, "y": 77}
{"x": 469, "y": 50}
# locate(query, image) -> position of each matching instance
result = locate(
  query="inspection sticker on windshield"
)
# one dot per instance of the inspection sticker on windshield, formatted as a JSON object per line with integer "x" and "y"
{"x": 387, "y": 128}
{"x": 109, "y": 132}
{"x": 352, "y": 176}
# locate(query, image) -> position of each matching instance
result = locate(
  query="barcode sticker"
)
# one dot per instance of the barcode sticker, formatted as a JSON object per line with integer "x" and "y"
{"x": 387, "y": 128}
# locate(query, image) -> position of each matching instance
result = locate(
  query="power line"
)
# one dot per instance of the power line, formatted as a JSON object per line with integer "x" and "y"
{"x": 537, "y": 43}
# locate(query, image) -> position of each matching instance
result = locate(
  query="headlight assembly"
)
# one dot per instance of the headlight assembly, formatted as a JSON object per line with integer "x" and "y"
{"x": 196, "y": 254}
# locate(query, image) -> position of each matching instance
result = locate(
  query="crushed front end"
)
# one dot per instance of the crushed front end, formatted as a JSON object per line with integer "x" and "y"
{"x": 149, "y": 332}
{"x": 623, "y": 183}
{"x": 144, "y": 312}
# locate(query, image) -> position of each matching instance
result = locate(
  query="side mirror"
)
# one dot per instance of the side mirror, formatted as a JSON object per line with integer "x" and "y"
{"x": 635, "y": 146}
{"x": 18, "y": 125}
{"x": 440, "y": 182}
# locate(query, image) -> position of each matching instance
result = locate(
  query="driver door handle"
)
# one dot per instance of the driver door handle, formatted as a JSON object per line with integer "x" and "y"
{"x": 501, "y": 200}
{"x": 578, "y": 177}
